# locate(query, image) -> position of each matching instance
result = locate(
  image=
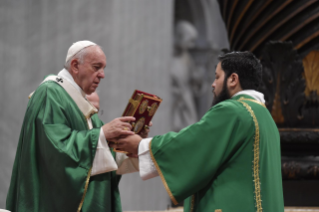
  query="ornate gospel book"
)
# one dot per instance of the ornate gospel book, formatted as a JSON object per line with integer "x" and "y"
{"x": 142, "y": 106}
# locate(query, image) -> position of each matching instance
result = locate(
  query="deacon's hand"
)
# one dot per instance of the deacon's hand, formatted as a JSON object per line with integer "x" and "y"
{"x": 118, "y": 127}
{"x": 144, "y": 133}
{"x": 128, "y": 144}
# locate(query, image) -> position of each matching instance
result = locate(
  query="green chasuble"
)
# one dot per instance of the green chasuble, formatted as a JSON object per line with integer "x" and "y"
{"x": 228, "y": 161}
{"x": 54, "y": 157}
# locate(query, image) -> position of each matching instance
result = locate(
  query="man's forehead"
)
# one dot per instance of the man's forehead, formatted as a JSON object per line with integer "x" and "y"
{"x": 218, "y": 69}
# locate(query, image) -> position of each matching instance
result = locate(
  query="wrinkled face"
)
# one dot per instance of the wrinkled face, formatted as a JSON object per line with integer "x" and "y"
{"x": 219, "y": 86}
{"x": 91, "y": 70}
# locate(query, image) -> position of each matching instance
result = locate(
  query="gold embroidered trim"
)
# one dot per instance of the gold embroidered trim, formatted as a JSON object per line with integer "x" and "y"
{"x": 252, "y": 100}
{"x": 88, "y": 176}
{"x": 162, "y": 176}
{"x": 192, "y": 203}
{"x": 256, "y": 158}
{"x": 85, "y": 189}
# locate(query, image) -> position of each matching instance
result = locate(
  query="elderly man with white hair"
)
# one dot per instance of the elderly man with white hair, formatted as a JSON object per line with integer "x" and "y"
{"x": 63, "y": 162}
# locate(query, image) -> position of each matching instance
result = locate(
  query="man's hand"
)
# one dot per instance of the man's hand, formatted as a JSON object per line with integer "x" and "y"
{"x": 144, "y": 133}
{"x": 128, "y": 144}
{"x": 118, "y": 127}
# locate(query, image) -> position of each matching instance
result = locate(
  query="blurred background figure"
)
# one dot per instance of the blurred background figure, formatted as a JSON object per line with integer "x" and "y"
{"x": 94, "y": 99}
{"x": 183, "y": 67}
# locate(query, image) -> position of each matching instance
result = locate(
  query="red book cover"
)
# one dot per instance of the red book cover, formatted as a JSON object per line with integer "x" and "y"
{"x": 142, "y": 106}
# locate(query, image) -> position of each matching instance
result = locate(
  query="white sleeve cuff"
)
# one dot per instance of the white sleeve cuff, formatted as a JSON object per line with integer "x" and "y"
{"x": 126, "y": 164}
{"x": 103, "y": 160}
{"x": 146, "y": 165}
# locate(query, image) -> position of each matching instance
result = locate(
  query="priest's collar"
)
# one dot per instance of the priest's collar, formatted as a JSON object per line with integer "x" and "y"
{"x": 66, "y": 75}
{"x": 252, "y": 93}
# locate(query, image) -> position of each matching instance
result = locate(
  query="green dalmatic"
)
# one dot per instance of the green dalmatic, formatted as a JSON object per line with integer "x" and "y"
{"x": 228, "y": 161}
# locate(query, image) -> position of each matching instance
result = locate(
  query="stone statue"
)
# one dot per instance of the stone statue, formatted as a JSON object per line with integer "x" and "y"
{"x": 183, "y": 68}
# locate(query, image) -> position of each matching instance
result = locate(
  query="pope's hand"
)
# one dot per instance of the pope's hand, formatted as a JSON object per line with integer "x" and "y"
{"x": 128, "y": 144}
{"x": 118, "y": 127}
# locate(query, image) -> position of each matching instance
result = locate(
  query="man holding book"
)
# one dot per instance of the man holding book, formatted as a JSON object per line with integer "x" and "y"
{"x": 230, "y": 159}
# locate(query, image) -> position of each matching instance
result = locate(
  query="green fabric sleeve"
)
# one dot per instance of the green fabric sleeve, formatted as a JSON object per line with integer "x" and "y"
{"x": 54, "y": 155}
{"x": 187, "y": 161}
{"x": 59, "y": 140}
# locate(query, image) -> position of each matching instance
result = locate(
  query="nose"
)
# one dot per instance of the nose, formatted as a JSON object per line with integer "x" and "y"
{"x": 214, "y": 84}
{"x": 101, "y": 74}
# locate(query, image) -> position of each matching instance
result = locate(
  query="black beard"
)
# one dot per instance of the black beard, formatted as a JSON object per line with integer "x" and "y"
{"x": 224, "y": 95}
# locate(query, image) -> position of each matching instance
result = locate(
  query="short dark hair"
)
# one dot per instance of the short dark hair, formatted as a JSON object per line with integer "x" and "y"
{"x": 246, "y": 65}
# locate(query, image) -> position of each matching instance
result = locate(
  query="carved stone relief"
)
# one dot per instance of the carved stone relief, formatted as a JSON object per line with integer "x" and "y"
{"x": 183, "y": 67}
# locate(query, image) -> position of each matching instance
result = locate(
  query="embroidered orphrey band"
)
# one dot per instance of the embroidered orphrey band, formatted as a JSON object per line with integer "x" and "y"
{"x": 162, "y": 176}
{"x": 87, "y": 177}
{"x": 192, "y": 203}
{"x": 256, "y": 158}
{"x": 85, "y": 189}
{"x": 252, "y": 100}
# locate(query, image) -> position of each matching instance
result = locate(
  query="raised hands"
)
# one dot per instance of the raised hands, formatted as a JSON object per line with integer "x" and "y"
{"x": 125, "y": 140}
{"x": 118, "y": 127}
{"x": 128, "y": 144}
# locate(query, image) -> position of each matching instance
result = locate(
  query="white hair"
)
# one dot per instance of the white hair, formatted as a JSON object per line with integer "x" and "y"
{"x": 79, "y": 56}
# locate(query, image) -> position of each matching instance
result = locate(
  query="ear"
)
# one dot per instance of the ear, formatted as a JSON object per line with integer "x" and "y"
{"x": 74, "y": 66}
{"x": 233, "y": 81}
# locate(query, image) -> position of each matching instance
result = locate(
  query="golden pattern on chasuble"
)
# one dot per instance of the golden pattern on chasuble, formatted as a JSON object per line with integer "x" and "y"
{"x": 85, "y": 189}
{"x": 256, "y": 158}
{"x": 192, "y": 203}
{"x": 162, "y": 176}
